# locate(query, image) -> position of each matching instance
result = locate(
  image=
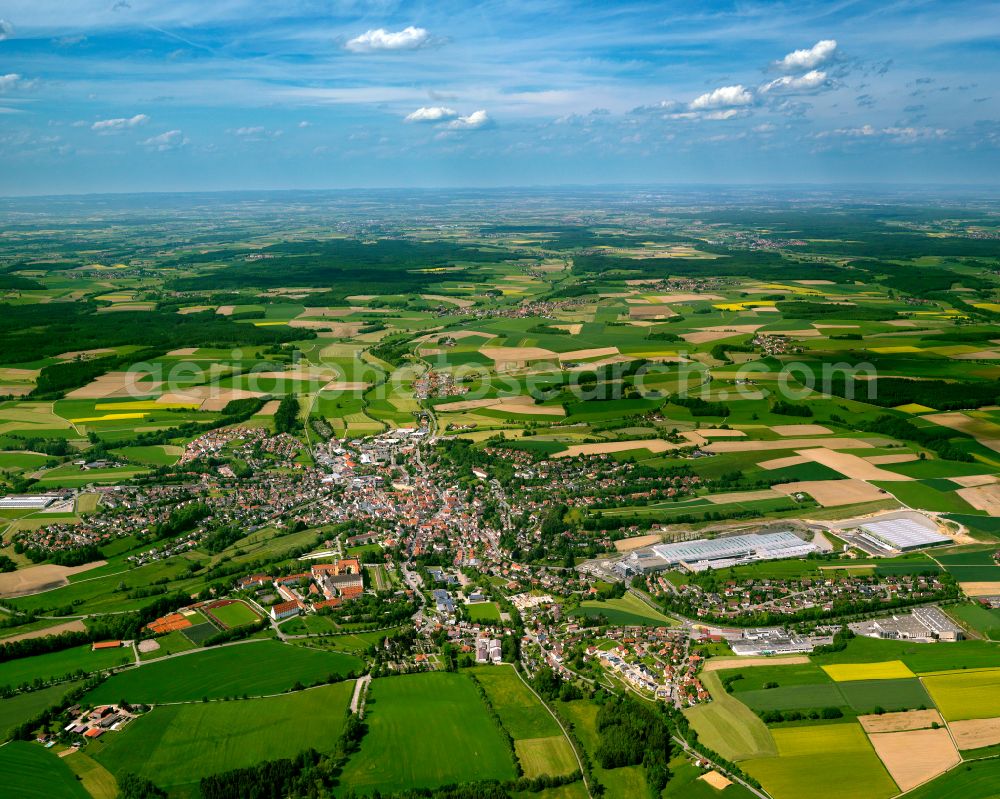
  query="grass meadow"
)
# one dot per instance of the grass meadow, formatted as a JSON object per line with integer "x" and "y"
{"x": 426, "y": 730}
{"x": 177, "y": 745}
{"x": 31, "y": 772}
{"x": 258, "y": 668}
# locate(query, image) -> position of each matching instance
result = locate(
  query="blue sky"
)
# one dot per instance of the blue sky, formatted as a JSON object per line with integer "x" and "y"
{"x": 150, "y": 95}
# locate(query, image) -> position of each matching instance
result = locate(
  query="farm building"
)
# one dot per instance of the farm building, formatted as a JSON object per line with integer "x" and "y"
{"x": 901, "y": 535}
{"x": 717, "y": 553}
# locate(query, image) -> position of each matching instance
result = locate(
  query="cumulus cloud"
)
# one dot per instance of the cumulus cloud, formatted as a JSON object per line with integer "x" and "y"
{"x": 9, "y": 82}
{"x": 432, "y": 113}
{"x": 477, "y": 119}
{"x": 810, "y": 58}
{"x": 6, "y": 30}
{"x": 800, "y": 60}
{"x": 170, "y": 140}
{"x": 122, "y": 123}
{"x": 379, "y": 40}
{"x": 811, "y": 81}
{"x": 723, "y": 97}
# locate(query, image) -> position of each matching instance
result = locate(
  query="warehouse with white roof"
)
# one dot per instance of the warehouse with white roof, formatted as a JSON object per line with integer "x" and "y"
{"x": 719, "y": 553}
{"x": 901, "y": 535}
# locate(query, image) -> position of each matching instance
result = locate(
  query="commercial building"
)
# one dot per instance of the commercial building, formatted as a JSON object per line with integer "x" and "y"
{"x": 27, "y": 501}
{"x": 900, "y": 535}
{"x": 718, "y": 553}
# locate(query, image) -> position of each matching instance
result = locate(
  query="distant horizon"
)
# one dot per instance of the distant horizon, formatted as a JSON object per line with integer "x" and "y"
{"x": 874, "y": 187}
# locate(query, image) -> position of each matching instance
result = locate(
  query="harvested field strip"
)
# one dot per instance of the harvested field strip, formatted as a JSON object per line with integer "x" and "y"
{"x": 976, "y": 733}
{"x": 887, "y": 670}
{"x": 833, "y": 493}
{"x": 900, "y": 722}
{"x": 787, "y": 443}
{"x": 850, "y": 465}
{"x": 651, "y": 444}
{"x": 916, "y": 756}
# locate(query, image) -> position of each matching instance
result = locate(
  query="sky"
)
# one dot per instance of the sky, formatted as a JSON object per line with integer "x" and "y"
{"x": 199, "y": 95}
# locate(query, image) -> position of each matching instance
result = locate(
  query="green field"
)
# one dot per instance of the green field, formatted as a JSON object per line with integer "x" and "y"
{"x": 685, "y": 784}
{"x": 520, "y": 711}
{"x": 487, "y": 612}
{"x": 20, "y": 708}
{"x": 66, "y": 662}
{"x": 628, "y": 610}
{"x": 426, "y": 730}
{"x": 728, "y": 726}
{"x": 551, "y": 756}
{"x": 985, "y": 621}
{"x": 976, "y": 780}
{"x": 966, "y": 694}
{"x": 833, "y": 761}
{"x": 920, "y": 658}
{"x": 620, "y": 783}
{"x": 31, "y": 772}
{"x": 176, "y": 745}
{"x": 170, "y": 644}
{"x": 258, "y": 668}
{"x": 96, "y": 780}
{"x": 756, "y": 677}
{"x": 235, "y": 614}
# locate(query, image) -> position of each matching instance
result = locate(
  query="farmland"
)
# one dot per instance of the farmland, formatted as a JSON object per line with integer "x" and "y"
{"x": 258, "y": 668}
{"x": 33, "y": 773}
{"x": 443, "y": 741}
{"x": 178, "y": 744}
{"x": 285, "y": 442}
{"x": 809, "y": 755}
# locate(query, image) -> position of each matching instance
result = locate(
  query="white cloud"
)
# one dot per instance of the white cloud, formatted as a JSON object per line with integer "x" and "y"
{"x": 170, "y": 140}
{"x": 804, "y": 83}
{"x": 6, "y": 30}
{"x": 9, "y": 81}
{"x": 379, "y": 39}
{"x": 433, "y": 113}
{"x": 799, "y": 60}
{"x": 477, "y": 119}
{"x": 256, "y": 130}
{"x": 729, "y": 113}
{"x": 305, "y": 124}
{"x": 110, "y": 125}
{"x": 723, "y": 97}
{"x": 899, "y": 134}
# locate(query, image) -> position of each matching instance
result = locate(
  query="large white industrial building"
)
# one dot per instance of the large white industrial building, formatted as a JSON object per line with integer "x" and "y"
{"x": 719, "y": 553}
{"x": 900, "y": 535}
